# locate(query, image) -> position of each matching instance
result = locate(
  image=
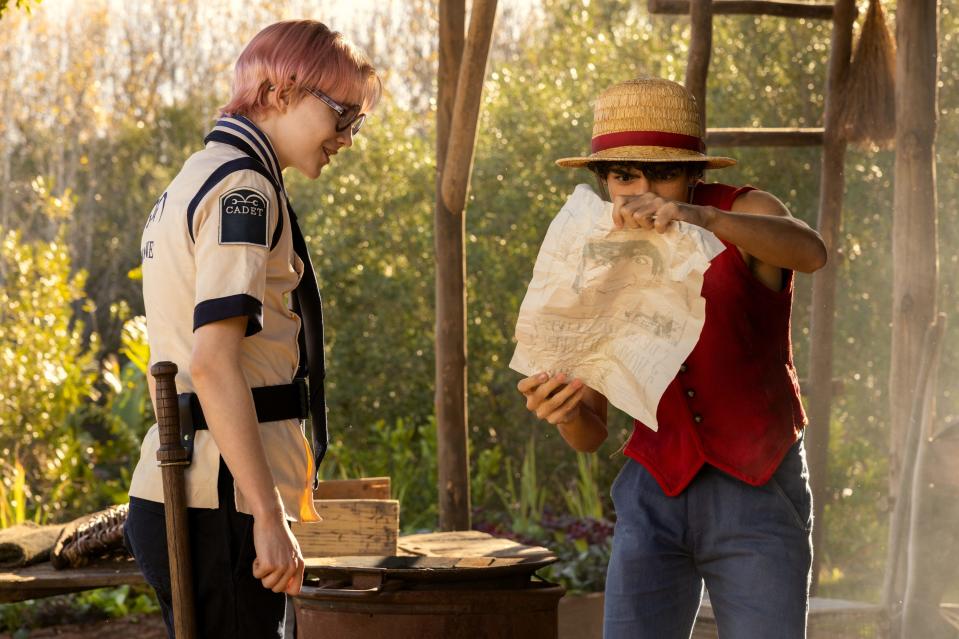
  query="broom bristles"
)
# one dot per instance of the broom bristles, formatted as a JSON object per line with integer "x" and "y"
{"x": 868, "y": 97}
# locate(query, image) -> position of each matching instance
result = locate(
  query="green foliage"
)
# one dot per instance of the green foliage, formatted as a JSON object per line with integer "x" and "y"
{"x": 403, "y": 451}
{"x": 524, "y": 502}
{"x": 19, "y": 4}
{"x": 92, "y": 605}
{"x": 47, "y": 371}
{"x": 13, "y": 499}
{"x": 580, "y": 567}
{"x": 583, "y": 498}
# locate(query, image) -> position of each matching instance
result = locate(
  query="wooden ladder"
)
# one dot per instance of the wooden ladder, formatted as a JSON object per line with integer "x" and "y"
{"x": 832, "y": 184}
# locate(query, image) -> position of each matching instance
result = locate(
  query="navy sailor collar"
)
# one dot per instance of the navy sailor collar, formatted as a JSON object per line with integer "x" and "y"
{"x": 240, "y": 132}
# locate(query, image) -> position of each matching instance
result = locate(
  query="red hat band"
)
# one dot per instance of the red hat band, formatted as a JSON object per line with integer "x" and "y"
{"x": 648, "y": 138}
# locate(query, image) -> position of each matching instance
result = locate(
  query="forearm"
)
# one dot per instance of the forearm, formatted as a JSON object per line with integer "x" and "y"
{"x": 780, "y": 241}
{"x": 586, "y": 431}
{"x": 231, "y": 416}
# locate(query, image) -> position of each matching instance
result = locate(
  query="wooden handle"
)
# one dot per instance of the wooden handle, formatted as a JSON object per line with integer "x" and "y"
{"x": 168, "y": 415}
{"x": 173, "y": 459}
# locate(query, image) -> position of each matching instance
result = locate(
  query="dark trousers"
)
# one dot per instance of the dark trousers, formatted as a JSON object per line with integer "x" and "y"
{"x": 230, "y": 602}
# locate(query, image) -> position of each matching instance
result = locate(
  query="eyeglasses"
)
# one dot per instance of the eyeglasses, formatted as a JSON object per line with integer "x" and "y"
{"x": 347, "y": 114}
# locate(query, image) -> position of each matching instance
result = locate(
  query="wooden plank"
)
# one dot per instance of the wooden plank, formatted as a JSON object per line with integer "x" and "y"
{"x": 43, "y": 580}
{"x": 748, "y": 7}
{"x": 832, "y": 184}
{"x": 351, "y": 527}
{"x": 449, "y": 229}
{"x": 767, "y": 136}
{"x": 365, "y": 488}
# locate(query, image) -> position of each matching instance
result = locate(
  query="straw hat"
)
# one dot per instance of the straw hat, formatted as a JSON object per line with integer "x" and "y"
{"x": 647, "y": 120}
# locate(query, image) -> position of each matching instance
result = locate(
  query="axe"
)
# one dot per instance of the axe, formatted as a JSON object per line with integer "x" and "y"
{"x": 173, "y": 459}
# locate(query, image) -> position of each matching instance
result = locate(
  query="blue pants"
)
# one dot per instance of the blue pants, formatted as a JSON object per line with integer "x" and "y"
{"x": 751, "y": 545}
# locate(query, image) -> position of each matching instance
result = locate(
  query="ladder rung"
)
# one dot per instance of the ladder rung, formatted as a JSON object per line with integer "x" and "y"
{"x": 748, "y": 7}
{"x": 764, "y": 137}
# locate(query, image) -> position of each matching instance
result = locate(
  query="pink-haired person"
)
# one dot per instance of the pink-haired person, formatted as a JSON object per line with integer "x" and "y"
{"x": 222, "y": 253}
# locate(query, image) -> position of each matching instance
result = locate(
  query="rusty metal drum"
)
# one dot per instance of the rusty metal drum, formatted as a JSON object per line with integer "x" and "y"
{"x": 427, "y": 598}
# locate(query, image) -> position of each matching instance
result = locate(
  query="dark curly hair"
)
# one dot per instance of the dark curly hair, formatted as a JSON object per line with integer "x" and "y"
{"x": 654, "y": 171}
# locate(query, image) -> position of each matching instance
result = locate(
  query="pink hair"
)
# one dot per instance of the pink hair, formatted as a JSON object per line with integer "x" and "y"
{"x": 288, "y": 57}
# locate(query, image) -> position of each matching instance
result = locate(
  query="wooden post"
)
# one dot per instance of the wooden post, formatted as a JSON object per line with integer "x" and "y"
{"x": 469, "y": 91}
{"x": 173, "y": 459}
{"x": 901, "y": 528}
{"x": 822, "y": 319}
{"x": 914, "y": 237}
{"x": 449, "y": 231}
{"x": 700, "y": 47}
{"x": 456, "y": 162}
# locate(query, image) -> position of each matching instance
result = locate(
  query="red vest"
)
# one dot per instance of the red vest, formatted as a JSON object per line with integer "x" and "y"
{"x": 735, "y": 402}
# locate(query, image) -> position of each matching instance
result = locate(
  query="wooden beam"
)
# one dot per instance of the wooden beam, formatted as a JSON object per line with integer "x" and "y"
{"x": 764, "y": 137}
{"x": 747, "y": 7}
{"x": 700, "y": 48}
{"x": 832, "y": 184}
{"x": 449, "y": 229}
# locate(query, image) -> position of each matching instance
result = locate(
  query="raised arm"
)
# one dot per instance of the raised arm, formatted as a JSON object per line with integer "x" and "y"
{"x": 762, "y": 227}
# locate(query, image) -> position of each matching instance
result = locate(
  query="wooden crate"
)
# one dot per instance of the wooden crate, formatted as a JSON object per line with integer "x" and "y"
{"x": 365, "y": 488}
{"x": 351, "y": 527}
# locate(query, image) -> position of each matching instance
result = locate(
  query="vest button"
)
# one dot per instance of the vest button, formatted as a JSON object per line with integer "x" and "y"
{"x": 690, "y": 393}
{"x": 683, "y": 368}
{"x": 698, "y": 418}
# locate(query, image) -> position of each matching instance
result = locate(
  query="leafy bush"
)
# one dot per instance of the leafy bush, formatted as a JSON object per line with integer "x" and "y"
{"x": 581, "y": 539}
{"x": 47, "y": 371}
{"x": 92, "y": 605}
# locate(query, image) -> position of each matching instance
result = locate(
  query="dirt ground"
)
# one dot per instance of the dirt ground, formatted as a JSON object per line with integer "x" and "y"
{"x": 144, "y": 627}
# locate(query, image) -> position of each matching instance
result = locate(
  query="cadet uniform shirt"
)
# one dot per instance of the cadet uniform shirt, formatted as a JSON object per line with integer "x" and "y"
{"x": 218, "y": 244}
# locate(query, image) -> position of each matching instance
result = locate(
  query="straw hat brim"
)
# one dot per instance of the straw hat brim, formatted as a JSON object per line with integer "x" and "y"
{"x": 647, "y": 154}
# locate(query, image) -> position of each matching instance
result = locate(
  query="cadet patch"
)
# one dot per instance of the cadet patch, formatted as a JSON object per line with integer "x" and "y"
{"x": 244, "y": 214}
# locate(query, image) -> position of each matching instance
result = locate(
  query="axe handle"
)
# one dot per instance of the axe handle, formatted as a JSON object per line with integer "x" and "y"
{"x": 173, "y": 460}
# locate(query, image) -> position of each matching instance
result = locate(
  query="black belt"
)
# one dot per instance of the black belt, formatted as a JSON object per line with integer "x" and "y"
{"x": 272, "y": 403}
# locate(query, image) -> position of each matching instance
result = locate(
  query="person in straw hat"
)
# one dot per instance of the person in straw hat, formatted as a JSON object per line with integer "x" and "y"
{"x": 719, "y": 493}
